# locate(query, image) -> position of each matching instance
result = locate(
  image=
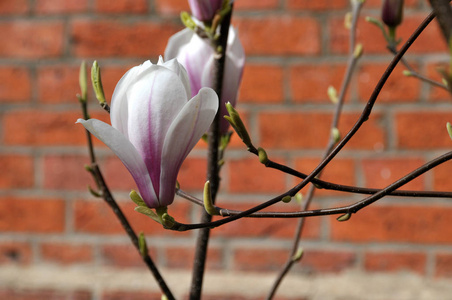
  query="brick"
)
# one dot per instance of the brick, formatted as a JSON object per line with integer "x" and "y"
{"x": 430, "y": 41}
{"x": 106, "y": 38}
{"x": 116, "y": 175}
{"x": 18, "y": 7}
{"x": 381, "y": 172}
{"x": 123, "y": 256}
{"x": 96, "y": 217}
{"x": 443, "y": 265}
{"x": 250, "y": 176}
{"x": 67, "y": 172}
{"x": 17, "y": 171}
{"x": 44, "y": 294}
{"x": 61, "y": 7}
{"x": 130, "y": 295}
{"x": 267, "y": 227}
{"x": 66, "y": 254}
{"x": 340, "y": 171}
{"x": 311, "y": 130}
{"x": 192, "y": 175}
{"x": 395, "y": 262}
{"x": 398, "y": 88}
{"x": 256, "y": 259}
{"x": 279, "y": 35}
{"x": 309, "y": 83}
{"x": 19, "y": 215}
{"x": 427, "y": 130}
{"x": 388, "y": 223}
{"x": 442, "y": 180}
{"x": 316, "y": 261}
{"x": 15, "y": 252}
{"x": 27, "y": 39}
{"x": 171, "y": 7}
{"x": 317, "y": 5}
{"x": 53, "y": 83}
{"x": 182, "y": 257}
{"x": 15, "y": 85}
{"x": 122, "y": 6}
{"x": 255, "y": 5}
{"x": 261, "y": 84}
{"x": 323, "y": 261}
{"x": 45, "y": 128}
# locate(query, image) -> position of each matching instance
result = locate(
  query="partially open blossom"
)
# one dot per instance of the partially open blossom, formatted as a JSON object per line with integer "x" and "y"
{"x": 204, "y": 10}
{"x": 155, "y": 125}
{"x": 197, "y": 56}
{"x": 392, "y": 12}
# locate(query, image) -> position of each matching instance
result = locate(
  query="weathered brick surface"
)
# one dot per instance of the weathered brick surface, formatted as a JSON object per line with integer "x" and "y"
{"x": 387, "y": 223}
{"x": 66, "y": 254}
{"x": 106, "y": 38}
{"x": 15, "y": 85}
{"x": 294, "y": 49}
{"x": 18, "y": 214}
{"x": 31, "y": 40}
{"x": 395, "y": 261}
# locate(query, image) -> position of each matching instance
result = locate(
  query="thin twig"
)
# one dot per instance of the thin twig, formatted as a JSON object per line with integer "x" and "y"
{"x": 233, "y": 215}
{"x": 363, "y": 118}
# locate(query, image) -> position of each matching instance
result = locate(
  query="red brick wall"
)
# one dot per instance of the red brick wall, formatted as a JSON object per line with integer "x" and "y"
{"x": 295, "y": 50}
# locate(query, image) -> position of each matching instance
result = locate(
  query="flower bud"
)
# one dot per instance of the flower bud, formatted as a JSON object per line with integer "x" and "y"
{"x": 392, "y": 12}
{"x": 204, "y": 10}
{"x": 155, "y": 124}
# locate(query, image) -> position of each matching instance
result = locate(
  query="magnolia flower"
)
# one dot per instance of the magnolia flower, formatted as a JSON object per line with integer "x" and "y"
{"x": 204, "y": 10}
{"x": 197, "y": 56}
{"x": 155, "y": 125}
{"x": 392, "y": 12}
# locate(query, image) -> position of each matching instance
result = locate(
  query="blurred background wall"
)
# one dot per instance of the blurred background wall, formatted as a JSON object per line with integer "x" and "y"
{"x": 59, "y": 242}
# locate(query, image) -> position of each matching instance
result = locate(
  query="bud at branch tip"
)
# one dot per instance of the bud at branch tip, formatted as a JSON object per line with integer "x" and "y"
{"x": 83, "y": 81}
{"x": 208, "y": 203}
{"x": 97, "y": 83}
{"x": 449, "y": 129}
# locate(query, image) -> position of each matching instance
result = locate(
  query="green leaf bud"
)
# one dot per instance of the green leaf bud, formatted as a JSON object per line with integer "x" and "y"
{"x": 187, "y": 20}
{"x": 297, "y": 256}
{"x": 449, "y": 129}
{"x": 335, "y": 134}
{"x": 358, "y": 50}
{"x": 142, "y": 245}
{"x": 407, "y": 73}
{"x": 236, "y": 123}
{"x": 96, "y": 80}
{"x": 135, "y": 197}
{"x": 286, "y": 199}
{"x": 208, "y": 203}
{"x": 344, "y": 217}
{"x": 263, "y": 157}
{"x": 332, "y": 94}
{"x": 83, "y": 81}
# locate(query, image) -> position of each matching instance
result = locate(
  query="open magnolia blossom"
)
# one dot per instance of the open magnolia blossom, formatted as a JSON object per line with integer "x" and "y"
{"x": 197, "y": 56}
{"x": 204, "y": 10}
{"x": 155, "y": 125}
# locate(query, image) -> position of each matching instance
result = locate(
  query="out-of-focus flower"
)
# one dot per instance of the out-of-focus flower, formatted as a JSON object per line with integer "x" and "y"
{"x": 204, "y": 10}
{"x": 197, "y": 56}
{"x": 392, "y": 12}
{"x": 155, "y": 125}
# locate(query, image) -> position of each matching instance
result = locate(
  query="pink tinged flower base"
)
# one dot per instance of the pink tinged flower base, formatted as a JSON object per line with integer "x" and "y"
{"x": 155, "y": 125}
